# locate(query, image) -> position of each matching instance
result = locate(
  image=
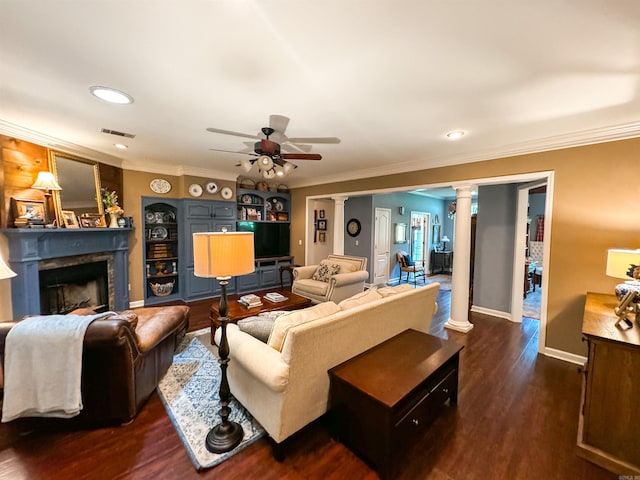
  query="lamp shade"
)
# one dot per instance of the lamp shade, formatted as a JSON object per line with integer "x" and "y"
{"x": 5, "y": 271}
{"x": 246, "y": 164}
{"x": 223, "y": 254}
{"x": 619, "y": 262}
{"x": 46, "y": 181}
{"x": 445, "y": 239}
{"x": 265, "y": 163}
{"x": 288, "y": 167}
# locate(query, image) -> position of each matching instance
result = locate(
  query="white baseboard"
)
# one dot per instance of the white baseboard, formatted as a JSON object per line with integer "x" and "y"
{"x": 493, "y": 313}
{"x": 136, "y": 304}
{"x": 566, "y": 356}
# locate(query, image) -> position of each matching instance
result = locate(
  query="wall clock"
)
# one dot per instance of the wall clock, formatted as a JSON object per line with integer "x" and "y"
{"x": 160, "y": 185}
{"x": 226, "y": 193}
{"x": 211, "y": 187}
{"x": 195, "y": 190}
{"x": 353, "y": 227}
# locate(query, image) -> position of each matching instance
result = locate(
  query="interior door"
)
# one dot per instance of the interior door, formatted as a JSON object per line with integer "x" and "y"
{"x": 420, "y": 238}
{"x": 382, "y": 245}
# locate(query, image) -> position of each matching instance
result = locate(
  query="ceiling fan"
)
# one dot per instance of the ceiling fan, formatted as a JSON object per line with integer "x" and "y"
{"x": 274, "y": 148}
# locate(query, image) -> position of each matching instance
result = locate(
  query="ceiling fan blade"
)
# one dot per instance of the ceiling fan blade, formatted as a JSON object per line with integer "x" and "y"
{"x": 230, "y": 151}
{"x": 229, "y": 132}
{"x": 301, "y": 156}
{"x": 292, "y": 147}
{"x": 315, "y": 140}
{"x": 278, "y": 122}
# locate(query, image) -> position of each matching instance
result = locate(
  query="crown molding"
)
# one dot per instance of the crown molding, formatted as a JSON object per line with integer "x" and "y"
{"x": 556, "y": 142}
{"x": 178, "y": 170}
{"x": 23, "y": 133}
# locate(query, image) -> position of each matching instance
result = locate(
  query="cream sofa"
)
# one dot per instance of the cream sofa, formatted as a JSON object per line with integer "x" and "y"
{"x": 287, "y": 389}
{"x": 348, "y": 281}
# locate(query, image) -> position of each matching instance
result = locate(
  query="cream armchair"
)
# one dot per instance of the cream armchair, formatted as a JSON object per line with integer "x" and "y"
{"x": 321, "y": 283}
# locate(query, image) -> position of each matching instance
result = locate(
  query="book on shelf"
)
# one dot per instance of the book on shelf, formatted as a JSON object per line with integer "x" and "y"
{"x": 275, "y": 297}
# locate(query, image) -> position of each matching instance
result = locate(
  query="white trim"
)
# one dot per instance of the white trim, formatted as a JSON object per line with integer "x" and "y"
{"x": 136, "y": 304}
{"x": 556, "y": 142}
{"x": 491, "y": 312}
{"x": 565, "y": 356}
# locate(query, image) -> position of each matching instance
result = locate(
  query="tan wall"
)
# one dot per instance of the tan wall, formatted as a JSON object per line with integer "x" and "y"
{"x": 136, "y": 186}
{"x": 595, "y": 205}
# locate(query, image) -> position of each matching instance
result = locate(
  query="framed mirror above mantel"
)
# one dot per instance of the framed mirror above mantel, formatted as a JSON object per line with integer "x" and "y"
{"x": 80, "y": 182}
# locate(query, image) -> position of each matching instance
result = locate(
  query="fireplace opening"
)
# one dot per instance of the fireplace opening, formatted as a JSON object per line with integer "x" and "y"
{"x": 84, "y": 285}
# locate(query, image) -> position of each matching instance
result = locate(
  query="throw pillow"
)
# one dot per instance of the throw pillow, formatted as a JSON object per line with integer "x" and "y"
{"x": 409, "y": 260}
{"x": 324, "y": 272}
{"x": 283, "y": 324}
{"x": 345, "y": 267}
{"x": 258, "y": 327}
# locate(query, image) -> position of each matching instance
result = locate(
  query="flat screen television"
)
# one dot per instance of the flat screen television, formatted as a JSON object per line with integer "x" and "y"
{"x": 269, "y": 239}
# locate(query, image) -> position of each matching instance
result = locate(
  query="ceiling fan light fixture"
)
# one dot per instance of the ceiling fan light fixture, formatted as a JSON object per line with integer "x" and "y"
{"x": 265, "y": 163}
{"x": 287, "y": 168}
{"x": 246, "y": 164}
{"x": 269, "y": 173}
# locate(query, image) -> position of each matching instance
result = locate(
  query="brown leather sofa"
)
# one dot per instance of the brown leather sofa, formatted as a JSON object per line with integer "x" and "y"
{"x": 124, "y": 358}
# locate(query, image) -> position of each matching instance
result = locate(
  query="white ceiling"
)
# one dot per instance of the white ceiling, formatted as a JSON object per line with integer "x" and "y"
{"x": 388, "y": 77}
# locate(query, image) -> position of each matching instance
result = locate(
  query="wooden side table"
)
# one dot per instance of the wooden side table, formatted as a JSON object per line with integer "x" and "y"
{"x": 383, "y": 398}
{"x": 286, "y": 268}
{"x": 609, "y": 426}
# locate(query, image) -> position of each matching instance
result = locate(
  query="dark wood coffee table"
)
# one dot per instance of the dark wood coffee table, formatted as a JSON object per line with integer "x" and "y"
{"x": 383, "y": 398}
{"x": 237, "y": 311}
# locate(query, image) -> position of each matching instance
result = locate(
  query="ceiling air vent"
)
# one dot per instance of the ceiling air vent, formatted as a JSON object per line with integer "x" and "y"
{"x": 119, "y": 134}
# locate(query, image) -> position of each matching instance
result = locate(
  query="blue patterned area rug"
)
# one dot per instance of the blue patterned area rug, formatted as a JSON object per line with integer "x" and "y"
{"x": 189, "y": 392}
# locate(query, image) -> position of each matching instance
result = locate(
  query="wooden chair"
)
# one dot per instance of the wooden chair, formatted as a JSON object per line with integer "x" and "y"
{"x": 407, "y": 265}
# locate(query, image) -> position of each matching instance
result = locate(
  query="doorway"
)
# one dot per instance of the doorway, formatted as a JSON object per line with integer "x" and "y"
{"x": 524, "y": 230}
{"x": 420, "y": 238}
{"x": 382, "y": 246}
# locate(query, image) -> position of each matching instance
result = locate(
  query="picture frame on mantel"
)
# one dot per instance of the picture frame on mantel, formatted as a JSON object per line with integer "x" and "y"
{"x": 69, "y": 218}
{"x": 92, "y": 220}
{"x": 28, "y": 212}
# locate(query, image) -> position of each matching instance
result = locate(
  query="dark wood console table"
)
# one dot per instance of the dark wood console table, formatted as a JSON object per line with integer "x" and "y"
{"x": 382, "y": 398}
{"x": 441, "y": 261}
{"x": 609, "y": 426}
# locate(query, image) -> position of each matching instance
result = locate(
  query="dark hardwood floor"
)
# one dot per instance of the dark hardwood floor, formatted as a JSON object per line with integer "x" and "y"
{"x": 516, "y": 418}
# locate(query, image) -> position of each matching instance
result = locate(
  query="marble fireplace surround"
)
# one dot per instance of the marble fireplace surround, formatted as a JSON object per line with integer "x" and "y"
{"x": 32, "y": 249}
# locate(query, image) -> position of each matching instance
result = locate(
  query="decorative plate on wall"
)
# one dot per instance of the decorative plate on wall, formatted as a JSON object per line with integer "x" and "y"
{"x": 195, "y": 190}
{"x": 211, "y": 187}
{"x": 226, "y": 193}
{"x": 160, "y": 185}
{"x": 353, "y": 227}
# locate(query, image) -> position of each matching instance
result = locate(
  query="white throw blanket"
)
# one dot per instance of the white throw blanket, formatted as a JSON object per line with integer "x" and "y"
{"x": 43, "y": 366}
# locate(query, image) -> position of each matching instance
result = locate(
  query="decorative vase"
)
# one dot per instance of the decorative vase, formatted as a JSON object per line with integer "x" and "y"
{"x": 113, "y": 220}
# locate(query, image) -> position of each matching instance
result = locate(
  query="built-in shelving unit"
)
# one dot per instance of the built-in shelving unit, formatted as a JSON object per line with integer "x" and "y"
{"x": 263, "y": 206}
{"x": 161, "y": 251}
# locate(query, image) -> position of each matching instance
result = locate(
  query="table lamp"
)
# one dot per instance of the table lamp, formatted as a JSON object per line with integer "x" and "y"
{"x": 223, "y": 255}
{"x": 47, "y": 182}
{"x": 445, "y": 240}
{"x": 625, "y": 264}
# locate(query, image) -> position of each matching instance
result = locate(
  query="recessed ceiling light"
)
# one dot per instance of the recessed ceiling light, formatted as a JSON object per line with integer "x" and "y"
{"x": 455, "y": 134}
{"x": 111, "y": 95}
{"x": 121, "y": 146}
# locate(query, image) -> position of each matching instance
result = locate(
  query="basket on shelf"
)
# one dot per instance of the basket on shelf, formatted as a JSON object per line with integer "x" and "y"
{"x": 161, "y": 289}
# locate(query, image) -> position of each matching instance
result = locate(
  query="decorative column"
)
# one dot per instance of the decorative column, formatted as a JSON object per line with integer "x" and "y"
{"x": 338, "y": 228}
{"x": 459, "y": 320}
